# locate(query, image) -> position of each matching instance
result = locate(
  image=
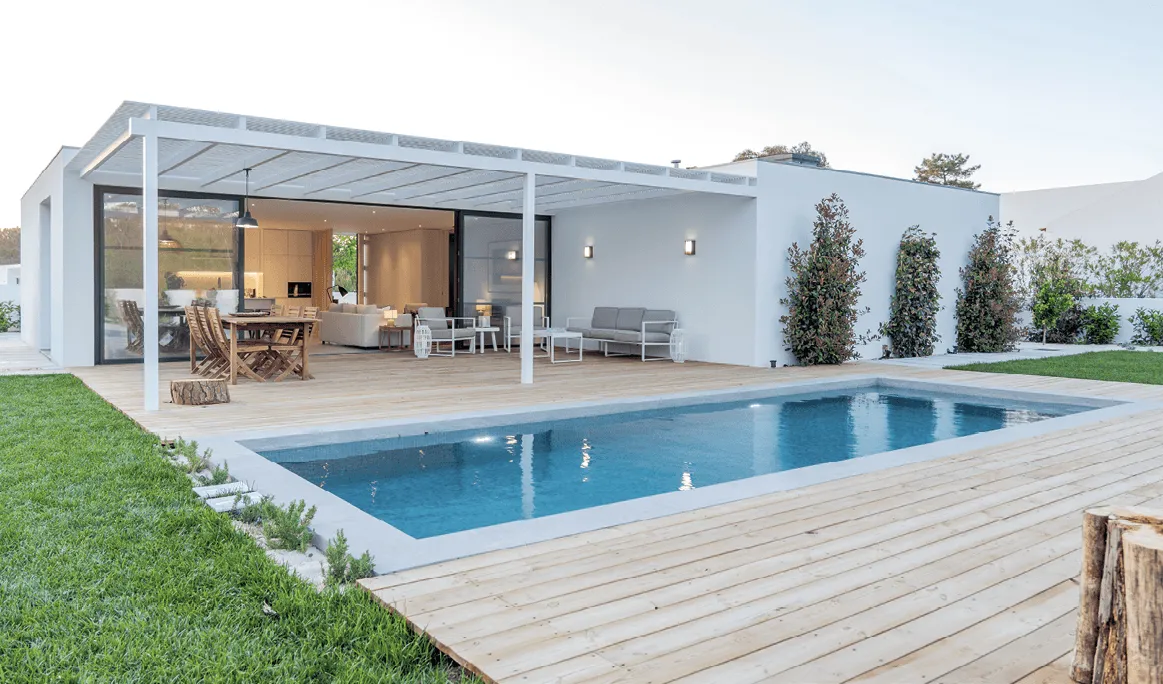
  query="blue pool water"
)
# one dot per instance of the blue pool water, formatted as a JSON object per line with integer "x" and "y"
{"x": 447, "y": 482}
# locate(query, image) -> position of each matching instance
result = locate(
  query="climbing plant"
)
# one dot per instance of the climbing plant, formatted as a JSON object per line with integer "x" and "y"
{"x": 823, "y": 290}
{"x": 988, "y": 301}
{"x": 912, "y": 322}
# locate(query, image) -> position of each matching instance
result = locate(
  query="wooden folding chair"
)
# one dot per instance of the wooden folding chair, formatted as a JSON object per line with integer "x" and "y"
{"x": 247, "y": 350}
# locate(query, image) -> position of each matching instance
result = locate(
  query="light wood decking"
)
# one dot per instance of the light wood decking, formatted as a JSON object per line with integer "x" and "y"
{"x": 955, "y": 570}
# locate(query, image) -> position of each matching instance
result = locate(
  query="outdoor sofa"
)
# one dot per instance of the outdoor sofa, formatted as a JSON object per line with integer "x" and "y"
{"x": 635, "y": 329}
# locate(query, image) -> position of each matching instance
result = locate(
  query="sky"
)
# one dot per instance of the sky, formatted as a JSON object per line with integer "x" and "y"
{"x": 1041, "y": 94}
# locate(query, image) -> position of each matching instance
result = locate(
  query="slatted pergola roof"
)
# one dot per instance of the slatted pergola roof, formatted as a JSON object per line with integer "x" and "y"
{"x": 204, "y": 151}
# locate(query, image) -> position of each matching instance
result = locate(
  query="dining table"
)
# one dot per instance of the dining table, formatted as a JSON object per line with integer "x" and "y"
{"x": 257, "y": 326}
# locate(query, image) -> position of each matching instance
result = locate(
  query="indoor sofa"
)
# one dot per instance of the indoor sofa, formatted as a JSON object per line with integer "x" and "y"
{"x": 351, "y": 325}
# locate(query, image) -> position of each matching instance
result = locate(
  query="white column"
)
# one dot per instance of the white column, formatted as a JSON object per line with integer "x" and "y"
{"x": 149, "y": 257}
{"x": 527, "y": 254}
{"x": 527, "y": 504}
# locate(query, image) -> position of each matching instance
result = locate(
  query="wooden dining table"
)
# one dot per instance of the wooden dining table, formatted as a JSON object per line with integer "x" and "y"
{"x": 259, "y": 325}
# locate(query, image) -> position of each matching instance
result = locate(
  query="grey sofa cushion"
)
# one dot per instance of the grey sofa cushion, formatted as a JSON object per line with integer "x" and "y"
{"x": 445, "y": 334}
{"x": 600, "y": 334}
{"x": 627, "y": 336}
{"x": 630, "y": 319}
{"x": 605, "y": 317}
{"x": 659, "y": 315}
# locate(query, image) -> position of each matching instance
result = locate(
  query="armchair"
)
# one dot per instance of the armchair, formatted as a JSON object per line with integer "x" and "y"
{"x": 447, "y": 329}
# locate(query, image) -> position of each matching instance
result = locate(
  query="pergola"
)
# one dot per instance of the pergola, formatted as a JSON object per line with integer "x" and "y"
{"x": 176, "y": 148}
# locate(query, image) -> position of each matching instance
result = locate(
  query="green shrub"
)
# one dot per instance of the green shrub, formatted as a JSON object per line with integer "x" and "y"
{"x": 1148, "y": 326}
{"x": 988, "y": 302}
{"x": 219, "y": 475}
{"x": 9, "y": 316}
{"x": 342, "y": 567}
{"x": 290, "y": 527}
{"x": 824, "y": 289}
{"x": 1100, "y": 324}
{"x": 912, "y": 322}
{"x": 1050, "y": 303}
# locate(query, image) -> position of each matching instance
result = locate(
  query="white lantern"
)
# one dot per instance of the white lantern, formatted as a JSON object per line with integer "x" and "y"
{"x": 678, "y": 345}
{"x": 422, "y": 341}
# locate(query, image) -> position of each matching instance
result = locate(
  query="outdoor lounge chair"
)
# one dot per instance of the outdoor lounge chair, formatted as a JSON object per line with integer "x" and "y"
{"x": 513, "y": 323}
{"x": 447, "y": 330}
{"x": 627, "y": 328}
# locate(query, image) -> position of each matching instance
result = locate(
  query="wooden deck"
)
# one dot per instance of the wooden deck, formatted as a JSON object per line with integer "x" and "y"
{"x": 956, "y": 570}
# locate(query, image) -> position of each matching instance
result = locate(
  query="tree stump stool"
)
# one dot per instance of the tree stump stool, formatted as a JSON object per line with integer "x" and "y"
{"x": 197, "y": 392}
{"x": 1119, "y": 639}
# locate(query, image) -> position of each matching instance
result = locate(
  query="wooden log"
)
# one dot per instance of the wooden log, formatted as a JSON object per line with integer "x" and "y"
{"x": 1143, "y": 569}
{"x": 1110, "y": 652}
{"x": 1094, "y": 525}
{"x": 199, "y": 391}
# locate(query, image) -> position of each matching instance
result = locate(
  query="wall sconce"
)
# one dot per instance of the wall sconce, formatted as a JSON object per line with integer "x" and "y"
{"x": 588, "y": 252}
{"x": 511, "y": 255}
{"x": 688, "y": 248}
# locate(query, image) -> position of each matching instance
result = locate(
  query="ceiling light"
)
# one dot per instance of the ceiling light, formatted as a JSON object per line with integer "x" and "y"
{"x": 246, "y": 220}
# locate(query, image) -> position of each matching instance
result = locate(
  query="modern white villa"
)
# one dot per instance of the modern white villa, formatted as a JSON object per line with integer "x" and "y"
{"x": 476, "y": 229}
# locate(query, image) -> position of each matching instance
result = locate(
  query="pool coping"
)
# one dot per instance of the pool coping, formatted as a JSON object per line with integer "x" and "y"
{"x": 394, "y": 550}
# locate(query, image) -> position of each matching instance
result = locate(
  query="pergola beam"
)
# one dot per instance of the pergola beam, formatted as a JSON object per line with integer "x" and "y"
{"x": 187, "y": 153}
{"x": 435, "y": 157}
{"x": 314, "y": 166}
{"x": 234, "y": 168}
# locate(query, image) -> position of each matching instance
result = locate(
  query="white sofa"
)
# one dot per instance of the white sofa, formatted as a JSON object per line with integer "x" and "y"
{"x": 351, "y": 325}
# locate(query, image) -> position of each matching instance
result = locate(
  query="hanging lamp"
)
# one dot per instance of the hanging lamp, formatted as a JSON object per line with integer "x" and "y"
{"x": 246, "y": 220}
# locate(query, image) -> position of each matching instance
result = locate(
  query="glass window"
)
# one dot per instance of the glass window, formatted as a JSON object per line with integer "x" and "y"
{"x": 491, "y": 280}
{"x": 197, "y": 258}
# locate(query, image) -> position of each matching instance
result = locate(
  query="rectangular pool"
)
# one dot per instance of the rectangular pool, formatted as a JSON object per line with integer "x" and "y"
{"x": 447, "y": 482}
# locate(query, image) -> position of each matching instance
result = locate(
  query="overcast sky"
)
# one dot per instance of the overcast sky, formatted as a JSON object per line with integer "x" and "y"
{"x": 1041, "y": 94}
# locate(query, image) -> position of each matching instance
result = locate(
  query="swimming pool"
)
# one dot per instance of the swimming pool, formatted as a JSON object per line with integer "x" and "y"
{"x": 447, "y": 482}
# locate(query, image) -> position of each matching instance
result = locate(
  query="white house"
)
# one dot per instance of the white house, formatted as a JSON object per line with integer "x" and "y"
{"x": 1099, "y": 215}
{"x": 477, "y": 228}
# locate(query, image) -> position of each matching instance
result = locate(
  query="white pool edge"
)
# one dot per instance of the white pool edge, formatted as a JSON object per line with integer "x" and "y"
{"x": 395, "y": 550}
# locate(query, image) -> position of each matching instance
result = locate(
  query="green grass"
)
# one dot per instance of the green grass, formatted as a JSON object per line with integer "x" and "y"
{"x": 1119, "y": 366}
{"x": 112, "y": 571}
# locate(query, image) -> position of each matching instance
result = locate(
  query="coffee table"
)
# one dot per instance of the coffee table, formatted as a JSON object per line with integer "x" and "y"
{"x": 549, "y": 337}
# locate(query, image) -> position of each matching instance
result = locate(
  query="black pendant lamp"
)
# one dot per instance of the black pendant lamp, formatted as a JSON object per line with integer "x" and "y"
{"x": 246, "y": 220}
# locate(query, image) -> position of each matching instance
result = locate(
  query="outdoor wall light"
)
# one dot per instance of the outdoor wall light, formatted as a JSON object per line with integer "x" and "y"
{"x": 688, "y": 248}
{"x": 588, "y": 252}
{"x": 511, "y": 255}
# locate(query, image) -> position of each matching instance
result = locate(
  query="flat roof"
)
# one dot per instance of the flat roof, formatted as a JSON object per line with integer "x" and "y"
{"x": 206, "y": 151}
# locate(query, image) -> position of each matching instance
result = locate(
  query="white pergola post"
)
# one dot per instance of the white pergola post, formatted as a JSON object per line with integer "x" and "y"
{"x": 149, "y": 263}
{"x": 527, "y": 261}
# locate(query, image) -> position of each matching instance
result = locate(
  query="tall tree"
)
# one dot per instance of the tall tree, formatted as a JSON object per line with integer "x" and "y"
{"x": 802, "y": 148}
{"x": 947, "y": 169}
{"x": 9, "y": 245}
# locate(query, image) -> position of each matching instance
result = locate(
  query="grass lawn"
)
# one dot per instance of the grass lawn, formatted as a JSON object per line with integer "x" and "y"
{"x": 1119, "y": 366}
{"x": 112, "y": 571}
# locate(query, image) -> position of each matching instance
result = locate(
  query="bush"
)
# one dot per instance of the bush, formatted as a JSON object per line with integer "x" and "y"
{"x": 9, "y": 316}
{"x": 342, "y": 567}
{"x": 1100, "y": 324}
{"x": 912, "y": 322}
{"x": 824, "y": 289}
{"x": 1050, "y": 304}
{"x": 1148, "y": 326}
{"x": 988, "y": 302}
{"x": 285, "y": 528}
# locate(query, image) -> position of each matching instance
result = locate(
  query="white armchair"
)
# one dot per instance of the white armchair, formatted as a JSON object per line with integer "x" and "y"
{"x": 447, "y": 329}
{"x": 513, "y": 323}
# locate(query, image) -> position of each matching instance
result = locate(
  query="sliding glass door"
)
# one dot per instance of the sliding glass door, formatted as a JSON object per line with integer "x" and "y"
{"x": 490, "y": 273}
{"x": 198, "y": 260}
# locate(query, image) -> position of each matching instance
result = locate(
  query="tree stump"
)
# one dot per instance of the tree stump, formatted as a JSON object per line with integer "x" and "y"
{"x": 197, "y": 392}
{"x": 1119, "y": 639}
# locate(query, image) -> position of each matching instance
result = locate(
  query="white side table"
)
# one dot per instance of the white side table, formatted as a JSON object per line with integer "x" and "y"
{"x": 550, "y": 337}
{"x": 492, "y": 330}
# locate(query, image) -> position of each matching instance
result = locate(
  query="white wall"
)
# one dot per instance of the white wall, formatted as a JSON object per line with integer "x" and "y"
{"x": 10, "y": 283}
{"x": 639, "y": 261}
{"x": 880, "y": 209}
{"x": 1099, "y": 215}
{"x": 66, "y": 328}
{"x": 1127, "y": 308}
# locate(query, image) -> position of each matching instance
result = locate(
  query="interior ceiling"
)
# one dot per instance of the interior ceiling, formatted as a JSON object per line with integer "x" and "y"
{"x": 345, "y": 218}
